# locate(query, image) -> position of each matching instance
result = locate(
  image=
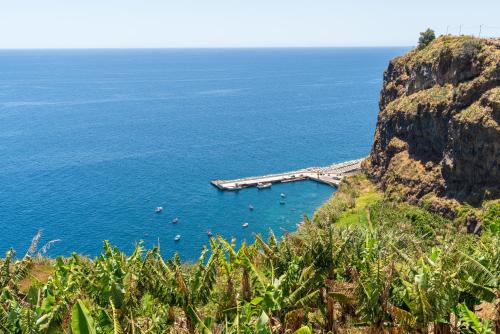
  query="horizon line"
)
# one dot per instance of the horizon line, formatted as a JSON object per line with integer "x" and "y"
{"x": 206, "y": 47}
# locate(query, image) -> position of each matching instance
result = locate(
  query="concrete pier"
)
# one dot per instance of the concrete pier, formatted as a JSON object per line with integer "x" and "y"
{"x": 331, "y": 175}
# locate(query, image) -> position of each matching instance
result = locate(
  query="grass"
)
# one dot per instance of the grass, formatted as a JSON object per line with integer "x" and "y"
{"x": 39, "y": 273}
{"x": 343, "y": 199}
{"x": 430, "y": 54}
{"x": 482, "y": 110}
{"x": 491, "y": 215}
{"x": 432, "y": 97}
{"x": 368, "y": 196}
{"x": 359, "y": 199}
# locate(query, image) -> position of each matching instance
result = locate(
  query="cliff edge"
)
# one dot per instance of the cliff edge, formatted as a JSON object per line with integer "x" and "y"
{"x": 437, "y": 140}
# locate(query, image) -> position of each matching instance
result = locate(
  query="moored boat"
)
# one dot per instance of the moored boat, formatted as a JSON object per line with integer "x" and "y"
{"x": 175, "y": 220}
{"x": 177, "y": 237}
{"x": 158, "y": 209}
{"x": 250, "y": 207}
{"x": 245, "y": 225}
{"x": 264, "y": 185}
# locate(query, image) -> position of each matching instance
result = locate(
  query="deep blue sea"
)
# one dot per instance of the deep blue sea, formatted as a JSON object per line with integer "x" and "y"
{"x": 91, "y": 141}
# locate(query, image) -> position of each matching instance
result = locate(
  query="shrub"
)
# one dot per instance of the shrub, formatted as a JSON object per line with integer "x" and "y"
{"x": 470, "y": 49}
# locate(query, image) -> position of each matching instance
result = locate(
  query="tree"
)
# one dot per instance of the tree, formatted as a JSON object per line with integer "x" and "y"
{"x": 425, "y": 38}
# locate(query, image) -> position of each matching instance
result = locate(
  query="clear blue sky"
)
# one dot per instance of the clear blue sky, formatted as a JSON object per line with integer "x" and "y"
{"x": 235, "y": 23}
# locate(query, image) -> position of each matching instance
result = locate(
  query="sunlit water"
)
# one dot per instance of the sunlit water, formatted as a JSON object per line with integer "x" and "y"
{"x": 92, "y": 141}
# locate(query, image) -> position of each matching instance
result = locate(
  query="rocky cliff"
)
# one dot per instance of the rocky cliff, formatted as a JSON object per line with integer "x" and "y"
{"x": 437, "y": 140}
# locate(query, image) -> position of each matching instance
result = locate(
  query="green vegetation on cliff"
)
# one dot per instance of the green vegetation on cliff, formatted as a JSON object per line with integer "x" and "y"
{"x": 364, "y": 263}
{"x": 437, "y": 141}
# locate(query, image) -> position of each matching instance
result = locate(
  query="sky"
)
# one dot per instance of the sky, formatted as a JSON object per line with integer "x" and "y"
{"x": 236, "y": 23}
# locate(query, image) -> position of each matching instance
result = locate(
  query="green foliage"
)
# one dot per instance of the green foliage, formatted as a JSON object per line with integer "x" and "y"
{"x": 81, "y": 321}
{"x": 470, "y": 323}
{"x": 491, "y": 218}
{"x": 426, "y": 37}
{"x": 343, "y": 199}
{"x": 303, "y": 330}
{"x": 471, "y": 49}
{"x": 378, "y": 265}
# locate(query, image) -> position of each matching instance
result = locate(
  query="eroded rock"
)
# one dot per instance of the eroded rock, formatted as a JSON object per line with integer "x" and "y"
{"x": 438, "y": 126}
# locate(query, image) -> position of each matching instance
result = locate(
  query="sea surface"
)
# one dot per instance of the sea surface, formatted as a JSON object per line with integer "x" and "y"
{"x": 91, "y": 141}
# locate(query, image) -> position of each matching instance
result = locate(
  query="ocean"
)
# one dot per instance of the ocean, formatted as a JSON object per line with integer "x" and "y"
{"x": 91, "y": 141}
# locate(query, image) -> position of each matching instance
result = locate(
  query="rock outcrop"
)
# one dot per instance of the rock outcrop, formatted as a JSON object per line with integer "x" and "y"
{"x": 437, "y": 139}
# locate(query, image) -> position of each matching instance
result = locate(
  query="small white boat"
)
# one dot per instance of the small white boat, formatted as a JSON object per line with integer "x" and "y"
{"x": 175, "y": 220}
{"x": 209, "y": 233}
{"x": 282, "y": 195}
{"x": 159, "y": 209}
{"x": 245, "y": 225}
{"x": 264, "y": 185}
{"x": 250, "y": 207}
{"x": 177, "y": 237}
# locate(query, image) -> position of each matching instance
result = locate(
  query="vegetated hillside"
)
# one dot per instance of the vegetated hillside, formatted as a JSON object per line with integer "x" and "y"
{"x": 364, "y": 264}
{"x": 437, "y": 140}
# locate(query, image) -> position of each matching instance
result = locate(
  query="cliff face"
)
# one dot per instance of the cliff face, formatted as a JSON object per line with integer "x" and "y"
{"x": 438, "y": 133}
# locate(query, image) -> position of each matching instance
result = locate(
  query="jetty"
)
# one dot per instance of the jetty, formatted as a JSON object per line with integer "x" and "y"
{"x": 331, "y": 175}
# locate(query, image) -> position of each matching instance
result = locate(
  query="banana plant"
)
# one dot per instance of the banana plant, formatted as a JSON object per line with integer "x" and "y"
{"x": 173, "y": 285}
{"x": 376, "y": 272}
{"x": 81, "y": 320}
{"x": 230, "y": 262}
{"x": 60, "y": 292}
{"x": 280, "y": 296}
{"x": 470, "y": 323}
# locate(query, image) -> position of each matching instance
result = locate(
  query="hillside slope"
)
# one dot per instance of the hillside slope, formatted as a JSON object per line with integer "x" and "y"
{"x": 437, "y": 139}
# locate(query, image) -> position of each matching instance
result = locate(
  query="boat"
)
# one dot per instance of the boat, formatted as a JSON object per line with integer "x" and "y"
{"x": 282, "y": 195}
{"x": 177, "y": 237}
{"x": 245, "y": 225}
{"x": 175, "y": 220}
{"x": 209, "y": 233}
{"x": 264, "y": 185}
{"x": 250, "y": 207}
{"x": 158, "y": 209}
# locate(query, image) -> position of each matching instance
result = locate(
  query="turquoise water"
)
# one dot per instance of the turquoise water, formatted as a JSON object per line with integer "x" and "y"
{"x": 91, "y": 141}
